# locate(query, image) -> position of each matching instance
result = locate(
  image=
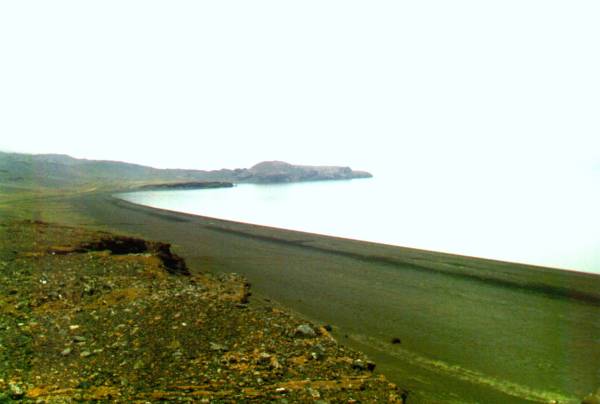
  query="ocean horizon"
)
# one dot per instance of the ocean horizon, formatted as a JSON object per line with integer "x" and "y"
{"x": 549, "y": 222}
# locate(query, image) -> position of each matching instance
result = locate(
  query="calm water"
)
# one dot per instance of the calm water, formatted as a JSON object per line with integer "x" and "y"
{"x": 551, "y": 221}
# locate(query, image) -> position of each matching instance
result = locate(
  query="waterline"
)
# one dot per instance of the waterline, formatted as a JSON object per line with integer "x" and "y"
{"x": 540, "y": 228}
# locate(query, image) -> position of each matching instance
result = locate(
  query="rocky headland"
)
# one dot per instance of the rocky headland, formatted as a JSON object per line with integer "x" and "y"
{"x": 279, "y": 171}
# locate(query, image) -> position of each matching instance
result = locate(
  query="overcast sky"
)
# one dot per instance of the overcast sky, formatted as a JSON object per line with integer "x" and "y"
{"x": 444, "y": 85}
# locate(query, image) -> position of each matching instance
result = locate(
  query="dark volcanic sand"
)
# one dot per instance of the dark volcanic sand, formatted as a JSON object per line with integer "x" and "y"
{"x": 471, "y": 330}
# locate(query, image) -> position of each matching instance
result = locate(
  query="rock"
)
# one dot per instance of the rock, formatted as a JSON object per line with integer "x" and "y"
{"x": 218, "y": 347}
{"x": 274, "y": 363}
{"x": 591, "y": 399}
{"x": 15, "y": 390}
{"x": 304, "y": 331}
{"x": 314, "y": 393}
{"x": 317, "y": 352}
{"x": 264, "y": 358}
{"x": 359, "y": 364}
{"x": 175, "y": 344}
{"x": 84, "y": 385}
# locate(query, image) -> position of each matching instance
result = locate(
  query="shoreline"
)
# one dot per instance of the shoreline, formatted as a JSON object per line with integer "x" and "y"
{"x": 443, "y": 307}
{"x": 542, "y": 257}
{"x": 386, "y": 255}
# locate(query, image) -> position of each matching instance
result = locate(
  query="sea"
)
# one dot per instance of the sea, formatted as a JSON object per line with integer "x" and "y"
{"x": 550, "y": 221}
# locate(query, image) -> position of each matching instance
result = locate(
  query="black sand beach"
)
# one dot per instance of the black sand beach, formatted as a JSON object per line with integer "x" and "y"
{"x": 446, "y": 327}
{"x": 469, "y": 330}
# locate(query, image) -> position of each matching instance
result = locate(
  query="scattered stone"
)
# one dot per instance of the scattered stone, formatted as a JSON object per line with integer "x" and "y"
{"x": 274, "y": 363}
{"x": 157, "y": 330}
{"x": 359, "y": 364}
{"x": 264, "y": 358}
{"x": 317, "y": 352}
{"x": 84, "y": 385}
{"x": 15, "y": 390}
{"x": 314, "y": 393}
{"x": 304, "y": 331}
{"x": 591, "y": 399}
{"x": 218, "y": 347}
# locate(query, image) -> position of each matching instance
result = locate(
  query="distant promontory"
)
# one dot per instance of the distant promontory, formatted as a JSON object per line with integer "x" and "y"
{"x": 52, "y": 171}
{"x": 279, "y": 171}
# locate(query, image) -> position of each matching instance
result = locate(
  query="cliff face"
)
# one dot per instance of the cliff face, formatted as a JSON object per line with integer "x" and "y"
{"x": 279, "y": 171}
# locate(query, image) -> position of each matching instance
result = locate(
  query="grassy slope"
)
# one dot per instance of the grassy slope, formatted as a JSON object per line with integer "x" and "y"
{"x": 60, "y": 172}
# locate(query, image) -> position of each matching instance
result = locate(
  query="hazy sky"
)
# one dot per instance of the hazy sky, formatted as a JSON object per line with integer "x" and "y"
{"x": 459, "y": 86}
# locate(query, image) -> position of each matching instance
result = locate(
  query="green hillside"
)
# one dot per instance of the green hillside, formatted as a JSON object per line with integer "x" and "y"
{"x": 58, "y": 171}
{"x": 61, "y": 171}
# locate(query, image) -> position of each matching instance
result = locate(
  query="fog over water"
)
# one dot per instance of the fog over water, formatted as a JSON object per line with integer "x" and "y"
{"x": 543, "y": 220}
{"x": 479, "y": 119}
